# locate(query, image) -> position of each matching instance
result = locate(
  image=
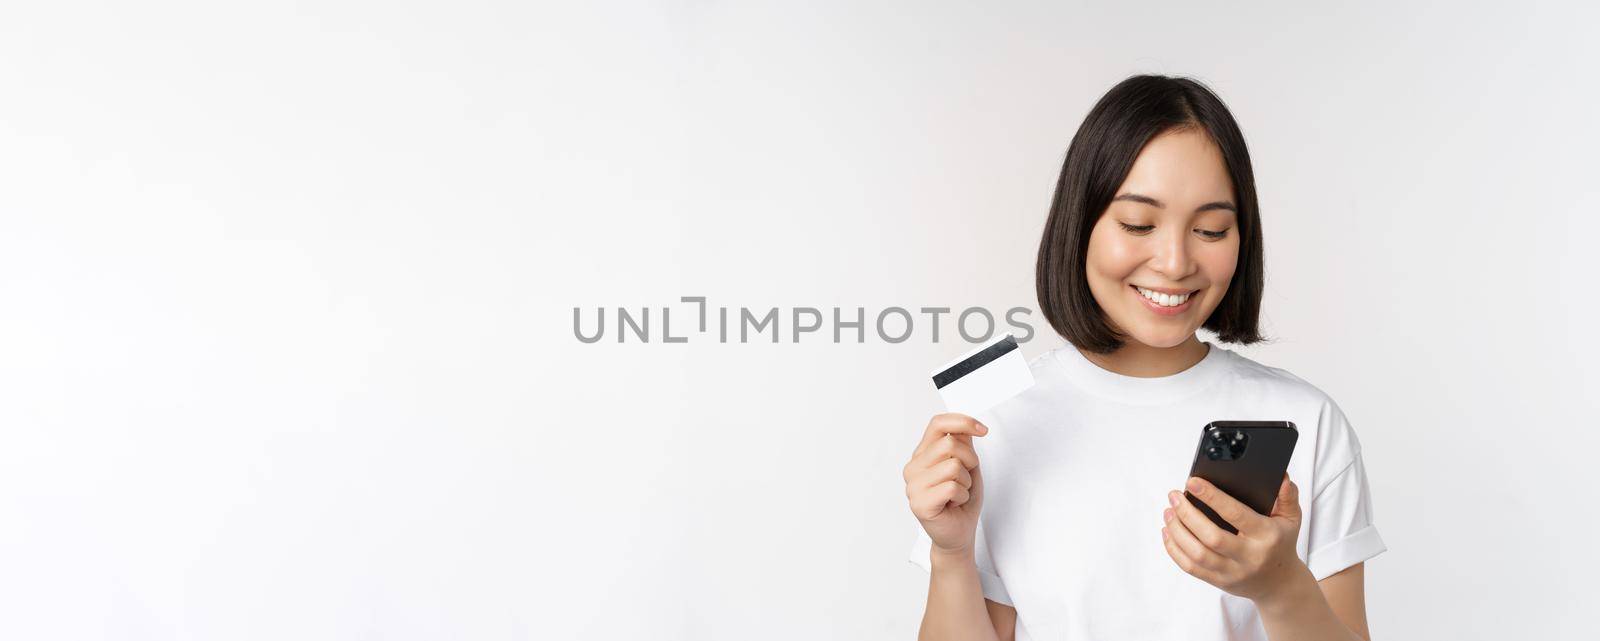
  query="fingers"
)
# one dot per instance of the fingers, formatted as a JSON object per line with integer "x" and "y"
{"x": 1288, "y": 504}
{"x": 928, "y": 503}
{"x": 1237, "y": 514}
{"x": 943, "y": 470}
{"x": 1177, "y": 555}
{"x": 963, "y": 476}
{"x": 1201, "y": 526}
{"x": 949, "y": 423}
{"x": 947, "y": 470}
{"x": 952, "y": 492}
{"x": 1190, "y": 555}
{"x": 948, "y": 446}
{"x": 1185, "y": 538}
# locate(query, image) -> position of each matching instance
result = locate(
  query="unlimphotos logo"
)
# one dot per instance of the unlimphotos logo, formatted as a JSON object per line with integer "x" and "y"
{"x": 893, "y": 324}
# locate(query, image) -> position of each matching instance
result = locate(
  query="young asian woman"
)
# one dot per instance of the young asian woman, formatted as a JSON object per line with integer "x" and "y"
{"x": 1059, "y": 513}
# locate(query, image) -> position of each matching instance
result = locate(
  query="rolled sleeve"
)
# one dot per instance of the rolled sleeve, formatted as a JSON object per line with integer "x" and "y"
{"x": 1342, "y": 533}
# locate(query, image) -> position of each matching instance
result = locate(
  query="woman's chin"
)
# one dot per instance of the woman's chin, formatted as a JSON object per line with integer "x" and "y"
{"x": 1161, "y": 340}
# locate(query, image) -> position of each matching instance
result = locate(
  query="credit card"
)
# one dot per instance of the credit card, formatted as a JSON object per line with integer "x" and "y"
{"x": 983, "y": 377}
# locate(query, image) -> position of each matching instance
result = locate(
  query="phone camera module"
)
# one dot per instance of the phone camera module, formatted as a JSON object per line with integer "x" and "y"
{"x": 1226, "y": 445}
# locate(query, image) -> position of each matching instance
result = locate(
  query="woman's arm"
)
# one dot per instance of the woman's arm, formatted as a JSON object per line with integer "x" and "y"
{"x": 956, "y": 608}
{"x": 1333, "y": 609}
{"x": 1260, "y": 563}
{"x": 945, "y": 489}
{"x": 1346, "y": 593}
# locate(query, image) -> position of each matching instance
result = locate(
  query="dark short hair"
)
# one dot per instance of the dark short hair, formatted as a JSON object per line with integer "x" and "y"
{"x": 1098, "y": 160}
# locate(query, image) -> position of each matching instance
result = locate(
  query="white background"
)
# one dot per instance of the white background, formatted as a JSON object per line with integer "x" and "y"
{"x": 286, "y": 342}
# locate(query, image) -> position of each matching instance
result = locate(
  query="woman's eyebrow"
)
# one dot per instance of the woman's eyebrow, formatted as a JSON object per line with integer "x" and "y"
{"x": 1141, "y": 198}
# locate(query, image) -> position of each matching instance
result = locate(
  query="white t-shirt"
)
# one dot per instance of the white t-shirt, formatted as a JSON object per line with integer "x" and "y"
{"x": 1076, "y": 472}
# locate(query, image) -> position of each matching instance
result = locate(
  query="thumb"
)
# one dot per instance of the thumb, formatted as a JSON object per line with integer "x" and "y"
{"x": 1288, "y": 504}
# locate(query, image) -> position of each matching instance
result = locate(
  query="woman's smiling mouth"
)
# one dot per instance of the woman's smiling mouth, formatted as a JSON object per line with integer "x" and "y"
{"x": 1164, "y": 303}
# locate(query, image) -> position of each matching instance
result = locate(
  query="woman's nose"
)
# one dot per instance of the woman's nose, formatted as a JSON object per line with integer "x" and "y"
{"x": 1172, "y": 255}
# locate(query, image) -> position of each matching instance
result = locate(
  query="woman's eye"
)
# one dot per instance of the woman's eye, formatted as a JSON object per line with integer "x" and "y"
{"x": 1136, "y": 229}
{"x": 1214, "y": 235}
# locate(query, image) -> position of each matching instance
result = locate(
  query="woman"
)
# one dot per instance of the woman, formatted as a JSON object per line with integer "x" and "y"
{"x": 1153, "y": 234}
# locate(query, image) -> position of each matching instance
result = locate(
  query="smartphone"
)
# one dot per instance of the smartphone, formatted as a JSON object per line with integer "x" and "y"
{"x": 1245, "y": 459}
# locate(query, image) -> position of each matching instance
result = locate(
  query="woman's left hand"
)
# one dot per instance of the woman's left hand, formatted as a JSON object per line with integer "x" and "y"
{"x": 1258, "y": 561}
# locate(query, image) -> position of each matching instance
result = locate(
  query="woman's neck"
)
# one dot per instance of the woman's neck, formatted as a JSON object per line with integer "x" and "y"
{"x": 1143, "y": 361}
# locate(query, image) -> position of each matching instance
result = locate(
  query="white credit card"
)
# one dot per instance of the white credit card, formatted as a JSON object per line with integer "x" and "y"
{"x": 983, "y": 377}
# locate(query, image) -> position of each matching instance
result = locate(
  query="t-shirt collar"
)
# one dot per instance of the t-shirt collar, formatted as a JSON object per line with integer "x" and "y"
{"x": 1092, "y": 378}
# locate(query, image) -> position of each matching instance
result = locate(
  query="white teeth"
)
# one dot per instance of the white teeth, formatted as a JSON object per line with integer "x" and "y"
{"x": 1164, "y": 300}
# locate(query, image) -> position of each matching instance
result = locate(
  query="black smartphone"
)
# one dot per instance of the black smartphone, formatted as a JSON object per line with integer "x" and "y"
{"x": 1246, "y": 459}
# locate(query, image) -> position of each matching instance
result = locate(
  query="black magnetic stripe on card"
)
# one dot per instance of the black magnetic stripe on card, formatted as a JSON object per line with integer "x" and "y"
{"x": 973, "y": 362}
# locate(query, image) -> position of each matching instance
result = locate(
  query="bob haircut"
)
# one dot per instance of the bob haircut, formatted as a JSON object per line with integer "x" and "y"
{"x": 1098, "y": 160}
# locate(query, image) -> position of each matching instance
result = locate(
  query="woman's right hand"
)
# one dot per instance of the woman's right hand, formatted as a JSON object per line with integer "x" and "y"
{"x": 943, "y": 483}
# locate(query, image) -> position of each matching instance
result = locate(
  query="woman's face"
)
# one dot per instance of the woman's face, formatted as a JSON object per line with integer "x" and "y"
{"x": 1169, "y": 234}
